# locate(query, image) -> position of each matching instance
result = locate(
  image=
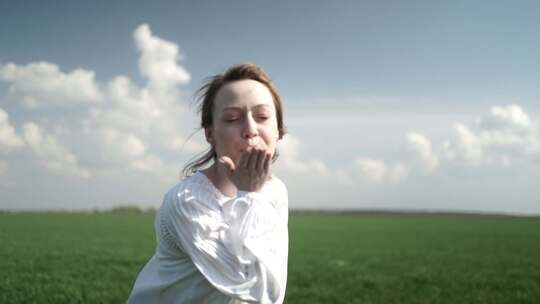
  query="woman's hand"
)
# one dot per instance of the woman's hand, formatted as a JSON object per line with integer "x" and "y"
{"x": 252, "y": 170}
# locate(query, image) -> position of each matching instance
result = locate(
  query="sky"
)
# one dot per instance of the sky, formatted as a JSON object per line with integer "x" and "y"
{"x": 390, "y": 105}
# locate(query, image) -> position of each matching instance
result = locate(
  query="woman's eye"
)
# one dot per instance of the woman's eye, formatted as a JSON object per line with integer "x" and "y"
{"x": 231, "y": 119}
{"x": 262, "y": 117}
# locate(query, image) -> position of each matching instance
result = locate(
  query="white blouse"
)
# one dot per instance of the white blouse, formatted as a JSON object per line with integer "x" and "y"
{"x": 217, "y": 249}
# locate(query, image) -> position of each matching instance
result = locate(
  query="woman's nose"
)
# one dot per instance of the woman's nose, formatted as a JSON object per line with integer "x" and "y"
{"x": 250, "y": 128}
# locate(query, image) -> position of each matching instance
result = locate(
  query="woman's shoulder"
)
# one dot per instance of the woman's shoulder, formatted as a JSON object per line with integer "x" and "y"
{"x": 276, "y": 184}
{"x": 193, "y": 187}
{"x": 197, "y": 188}
{"x": 276, "y": 188}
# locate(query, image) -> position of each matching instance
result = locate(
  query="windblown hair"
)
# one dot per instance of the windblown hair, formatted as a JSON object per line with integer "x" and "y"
{"x": 206, "y": 96}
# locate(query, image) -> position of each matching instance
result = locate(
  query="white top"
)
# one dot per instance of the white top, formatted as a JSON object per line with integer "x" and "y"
{"x": 217, "y": 249}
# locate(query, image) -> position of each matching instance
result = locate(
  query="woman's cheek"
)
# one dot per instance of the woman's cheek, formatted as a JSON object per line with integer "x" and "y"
{"x": 271, "y": 147}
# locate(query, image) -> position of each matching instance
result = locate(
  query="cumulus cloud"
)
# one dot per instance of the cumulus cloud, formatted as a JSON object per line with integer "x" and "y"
{"x": 127, "y": 129}
{"x": 55, "y": 157}
{"x": 120, "y": 146}
{"x": 128, "y": 126}
{"x": 420, "y": 147}
{"x": 290, "y": 158}
{"x": 464, "y": 147}
{"x": 148, "y": 163}
{"x": 180, "y": 144}
{"x": 377, "y": 171}
{"x": 159, "y": 59}
{"x": 147, "y": 113}
{"x": 153, "y": 114}
{"x": 43, "y": 83}
{"x": 510, "y": 116}
{"x": 9, "y": 140}
{"x": 506, "y": 135}
{"x": 128, "y": 151}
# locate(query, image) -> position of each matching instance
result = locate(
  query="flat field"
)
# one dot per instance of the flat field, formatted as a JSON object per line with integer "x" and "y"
{"x": 94, "y": 258}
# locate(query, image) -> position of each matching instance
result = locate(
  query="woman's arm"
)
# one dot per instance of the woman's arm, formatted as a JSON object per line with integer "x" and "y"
{"x": 241, "y": 249}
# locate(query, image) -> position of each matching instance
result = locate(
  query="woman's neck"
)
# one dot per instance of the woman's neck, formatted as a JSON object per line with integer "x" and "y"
{"x": 220, "y": 180}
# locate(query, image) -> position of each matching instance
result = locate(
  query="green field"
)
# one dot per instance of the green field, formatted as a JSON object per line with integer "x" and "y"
{"x": 94, "y": 258}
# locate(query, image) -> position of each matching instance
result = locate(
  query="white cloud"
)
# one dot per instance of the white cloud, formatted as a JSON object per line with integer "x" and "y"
{"x": 137, "y": 133}
{"x": 377, "y": 171}
{"x": 464, "y": 147}
{"x": 180, "y": 144}
{"x": 512, "y": 116}
{"x": 120, "y": 146}
{"x": 128, "y": 151}
{"x": 129, "y": 127}
{"x": 149, "y": 163}
{"x": 55, "y": 157}
{"x": 159, "y": 60}
{"x": 154, "y": 114}
{"x": 43, "y": 83}
{"x": 421, "y": 148}
{"x": 127, "y": 108}
{"x": 8, "y": 138}
{"x": 290, "y": 158}
{"x": 506, "y": 135}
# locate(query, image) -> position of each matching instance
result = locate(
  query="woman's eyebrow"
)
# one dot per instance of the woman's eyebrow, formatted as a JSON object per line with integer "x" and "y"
{"x": 259, "y": 106}
{"x": 232, "y": 109}
{"x": 262, "y": 106}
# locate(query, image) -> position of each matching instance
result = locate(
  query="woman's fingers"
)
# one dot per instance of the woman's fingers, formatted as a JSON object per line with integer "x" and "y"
{"x": 260, "y": 161}
{"x": 254, "y": 161}
{"x": 249, "y": 160}
{"x": 227, "y": 163}
{"x": 252, "y": 170}
{"x": 262, "y": 157}
{"x": 244, "y": 157}
{"x": 267, "y": 162}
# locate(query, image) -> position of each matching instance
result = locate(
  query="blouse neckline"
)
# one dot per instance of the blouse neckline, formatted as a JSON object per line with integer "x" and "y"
{"x": 218, "y": 192}
{"x": 212, "y": 187}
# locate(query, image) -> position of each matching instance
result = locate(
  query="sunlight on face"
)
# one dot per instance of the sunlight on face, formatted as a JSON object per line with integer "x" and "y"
{"x": 244, "y": 116}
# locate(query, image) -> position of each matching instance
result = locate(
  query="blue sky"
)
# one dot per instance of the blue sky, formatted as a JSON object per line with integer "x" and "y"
{"x": 417, "y": 49}
{"x": 396, "y": 104}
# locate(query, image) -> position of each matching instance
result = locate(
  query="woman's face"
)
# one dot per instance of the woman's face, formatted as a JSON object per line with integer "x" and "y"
{"x": 244, "y": 117}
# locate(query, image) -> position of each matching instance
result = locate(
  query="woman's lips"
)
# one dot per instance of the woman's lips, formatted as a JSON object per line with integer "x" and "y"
{"x": 248, "y": 147}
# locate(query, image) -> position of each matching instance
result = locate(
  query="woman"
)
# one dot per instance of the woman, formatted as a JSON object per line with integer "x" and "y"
{"x": 222, "y": 231}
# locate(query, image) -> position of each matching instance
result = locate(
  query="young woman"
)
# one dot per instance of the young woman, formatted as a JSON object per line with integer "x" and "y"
{"x": 222, "y": 231}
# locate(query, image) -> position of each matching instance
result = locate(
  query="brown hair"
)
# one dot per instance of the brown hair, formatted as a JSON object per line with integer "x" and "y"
{"x": 207, "y": 94}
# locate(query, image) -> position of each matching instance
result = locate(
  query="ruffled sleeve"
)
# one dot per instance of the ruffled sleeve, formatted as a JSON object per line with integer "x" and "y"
{"x": 240, "y": 247}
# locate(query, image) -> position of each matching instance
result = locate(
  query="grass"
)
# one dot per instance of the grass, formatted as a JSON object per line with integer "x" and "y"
{"x": 417, "y": 259}
{"x": 94, "y": 258}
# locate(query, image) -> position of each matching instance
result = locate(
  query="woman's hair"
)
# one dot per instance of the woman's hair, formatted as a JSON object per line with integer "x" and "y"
{"x": 206, "y": 96}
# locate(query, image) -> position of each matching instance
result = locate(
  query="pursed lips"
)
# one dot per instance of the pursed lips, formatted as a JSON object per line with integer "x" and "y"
{"x": 246, "y": 148}
{"x": 250, "y": 145}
